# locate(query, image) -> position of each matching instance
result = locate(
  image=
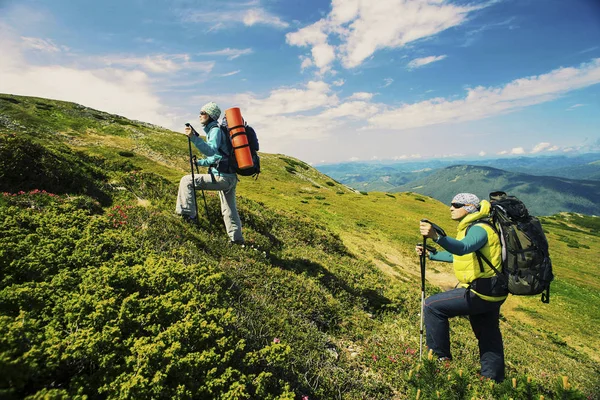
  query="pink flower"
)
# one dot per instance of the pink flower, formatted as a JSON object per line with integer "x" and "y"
{"x": 276, "y": 340}
{"x": 392, "y": 359}
{"x": 374, "y": 357}
{"x": 304, "y": 397}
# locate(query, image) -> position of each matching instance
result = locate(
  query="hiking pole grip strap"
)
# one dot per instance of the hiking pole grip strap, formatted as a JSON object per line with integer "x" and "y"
{"x": 193, "y": 130}
{"x": 437, "y": 228}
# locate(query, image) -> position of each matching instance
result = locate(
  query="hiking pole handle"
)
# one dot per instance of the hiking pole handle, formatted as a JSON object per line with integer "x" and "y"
{"x": 193, "y": 130}
{"x": 196, "y": 163}
{"x": 193, "y": 179}
{"x": 429, "y": 248}
{"x": 437, "y": 228}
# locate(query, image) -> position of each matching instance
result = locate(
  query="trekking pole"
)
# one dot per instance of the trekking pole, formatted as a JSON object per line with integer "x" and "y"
{"x": 422, "y": 261}
{"x": 192, "y": 167}
{"x": 203, "y": 196}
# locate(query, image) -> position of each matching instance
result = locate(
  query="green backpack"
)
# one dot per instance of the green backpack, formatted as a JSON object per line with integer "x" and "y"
{"x": 526, "y": 265}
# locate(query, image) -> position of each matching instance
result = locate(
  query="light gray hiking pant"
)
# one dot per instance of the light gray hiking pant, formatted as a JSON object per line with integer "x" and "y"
{"x": 225, "y": 185}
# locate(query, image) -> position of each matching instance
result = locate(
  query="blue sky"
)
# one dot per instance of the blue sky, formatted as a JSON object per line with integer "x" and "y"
{"x": 326, "y": 81}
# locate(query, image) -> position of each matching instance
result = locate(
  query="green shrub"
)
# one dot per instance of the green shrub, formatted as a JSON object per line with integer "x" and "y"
{"x": 27, "y": 166}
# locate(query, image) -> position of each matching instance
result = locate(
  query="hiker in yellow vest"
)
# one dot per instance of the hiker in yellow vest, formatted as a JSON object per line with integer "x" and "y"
{"x": 479, "y": 294}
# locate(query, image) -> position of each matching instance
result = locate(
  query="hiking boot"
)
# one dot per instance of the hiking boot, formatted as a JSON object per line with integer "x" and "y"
{"x": 239, "y": 242}
{"x": 190, "y": 220}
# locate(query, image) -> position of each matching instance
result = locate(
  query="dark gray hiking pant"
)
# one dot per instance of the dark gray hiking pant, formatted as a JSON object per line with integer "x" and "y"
{"x": 484, "y": 316}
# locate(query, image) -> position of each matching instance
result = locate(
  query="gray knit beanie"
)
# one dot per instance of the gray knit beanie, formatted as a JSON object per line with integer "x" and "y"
{"x": 212, "y": 109}
{"x": 470, "y": 200}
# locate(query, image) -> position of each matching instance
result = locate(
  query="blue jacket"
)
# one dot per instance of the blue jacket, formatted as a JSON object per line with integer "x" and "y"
{"x": 214, "y": 148}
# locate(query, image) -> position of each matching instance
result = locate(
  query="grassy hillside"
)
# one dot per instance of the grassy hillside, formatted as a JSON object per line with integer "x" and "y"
{"x": 544, "y": 195}
{"x": 105, "y": 293}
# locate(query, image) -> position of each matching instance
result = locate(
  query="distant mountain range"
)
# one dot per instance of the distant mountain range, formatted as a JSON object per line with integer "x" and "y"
{"x": 544, "y": 195}
{"x": 548, "y": 185}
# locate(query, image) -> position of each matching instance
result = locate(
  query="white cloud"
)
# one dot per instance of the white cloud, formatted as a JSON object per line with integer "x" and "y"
{"x": 482, "y": 102}
{"x": 314, "y": 95}
{"x": 322, "y": 53}
{"x": 544, "y": 146}
{"x": 306, "y": 63}
{"x": 160, "y": 63}
{"x": 361, "y": 96}
{"x": 44, "y": 45}
{"x": 574, "y": 106}
{"x": 517, "y": 150}
{"x": 387, "y": 82}
{"x": 118, "y": 91}
{"x": 353, "y": 110}
{"x": 339, "y": 82}
{"x": 407, "y": 157}
{"x": 419, "y": 62}
{"x": 231, "y": 15}
{"x": 362, "y": 27}
{"x": 231, "y": 73}
{"x": 540, "y": 147}
{"x": 231, "y": 54}
{"x": 482, "y": 153}
{"x": 259, "y": 16}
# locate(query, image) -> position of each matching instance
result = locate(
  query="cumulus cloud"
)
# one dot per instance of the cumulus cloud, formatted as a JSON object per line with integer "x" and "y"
{"x": 282, "y": 101}
{"x": 483, "y": 102}
{"x": 306, "y": 63}
{"x": 544, "y": 146}
{"x": 408, "y": 157}
{"x": 540, "y": 147}
{"x": 362, "y": 27}
{"x": 419, "y": 62}
{"x": 115, "y": 90}
{"x": 313, "y": 111}
{"x": 352, "y": 110}
{"x": 361, "y": 96}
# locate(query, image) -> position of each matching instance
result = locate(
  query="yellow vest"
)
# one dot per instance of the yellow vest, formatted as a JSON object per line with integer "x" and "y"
{"x": 467, "y": 267}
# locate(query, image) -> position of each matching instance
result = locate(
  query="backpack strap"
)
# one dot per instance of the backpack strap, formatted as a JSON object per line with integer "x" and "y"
{"x": 480, "y": 255}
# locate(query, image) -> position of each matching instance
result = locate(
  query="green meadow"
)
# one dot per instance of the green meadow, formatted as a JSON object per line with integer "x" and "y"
{"x": 106, "y": 293}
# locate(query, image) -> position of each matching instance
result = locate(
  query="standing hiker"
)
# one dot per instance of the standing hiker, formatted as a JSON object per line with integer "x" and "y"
{"x": 480, "y": 292}
{"x": 216, "y": 150}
